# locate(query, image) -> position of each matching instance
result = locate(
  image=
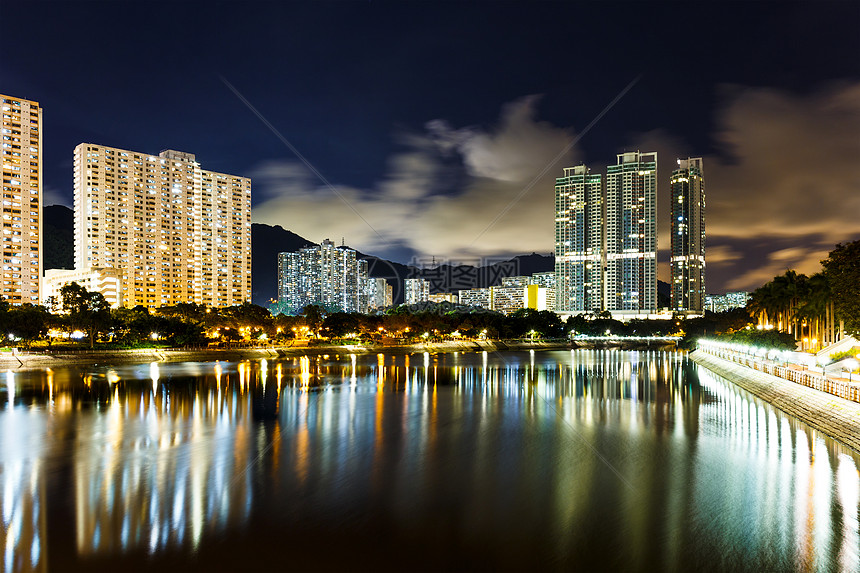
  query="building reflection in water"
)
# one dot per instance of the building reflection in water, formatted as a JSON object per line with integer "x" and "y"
{"x": 155, "y": 469}
{"x": 22, "y": 483}
{"x": 165, "y": 456}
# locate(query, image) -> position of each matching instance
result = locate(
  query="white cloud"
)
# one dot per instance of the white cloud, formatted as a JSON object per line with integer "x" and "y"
{"x": 414, "y": 207}
{"x": 718, "y": 254}
{"x": 803, "y": 260}
{"x": 51, "y": 196}
{"x": 792, "y": 175}
{"x": 794, "y": 169}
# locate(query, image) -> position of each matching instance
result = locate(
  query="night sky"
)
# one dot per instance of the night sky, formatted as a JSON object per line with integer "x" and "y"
{"x": 436, "y": 129}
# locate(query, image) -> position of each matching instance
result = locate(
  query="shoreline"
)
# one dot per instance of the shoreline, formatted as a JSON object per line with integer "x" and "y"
{"x": 836, "y": 417}
{"x": 43, "y": 360}
{"x": 86, "y": 356}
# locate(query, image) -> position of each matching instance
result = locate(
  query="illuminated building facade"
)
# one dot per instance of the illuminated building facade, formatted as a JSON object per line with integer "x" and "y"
{"x": 21, "y": 165}
{"x": 477, "y": 297}
{"x": 688, "y": 236}
{"x": 325, "y": 275}
{"x": 728, "y": 301}
{"x": 176, "y": 232}
{"x": 443, "y": 297}
{"x": 416, "y": 290}
{"x": 630, "y": 278}
{"x": 380, "y": 295}
{"x": 578, "y": 240}
{"x": 514, "y": 293}
{"x": 108, "y": 282}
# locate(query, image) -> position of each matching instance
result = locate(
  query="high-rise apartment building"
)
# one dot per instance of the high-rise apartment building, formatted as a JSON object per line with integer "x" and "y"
{"x": 688, "y": 236}
{"x": 21, "y": 165}
{"x": 326, "y": 275}
{"x": 630, "y": 279}
{"x": 380, "y": 293}
{"x": 176, "y": 232}
{"x": 578, "y": 240}
{"x": 416, "y": 290}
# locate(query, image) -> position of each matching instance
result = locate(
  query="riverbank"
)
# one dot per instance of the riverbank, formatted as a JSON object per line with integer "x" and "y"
{"x": 43, "y": 360}
{"x": 831, "y": 415}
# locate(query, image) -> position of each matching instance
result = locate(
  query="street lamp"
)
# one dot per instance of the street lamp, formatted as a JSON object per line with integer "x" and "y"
{"x": 852, "y": 365}
{"x": 823, "y": 360}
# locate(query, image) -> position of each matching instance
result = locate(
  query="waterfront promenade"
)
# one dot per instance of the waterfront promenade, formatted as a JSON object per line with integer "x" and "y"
{"x": 837, "y": 417}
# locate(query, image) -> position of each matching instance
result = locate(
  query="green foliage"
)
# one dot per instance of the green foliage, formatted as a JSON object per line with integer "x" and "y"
{"x": 132, "y": 326}
{"x": 764, "y": 338}
{"x": 87, "y": 311}
{"x": 544, "y": 323}
{"x": 247, "y": 315}
{"x": 185, "y": 311}
{"x": 598, "y": 325}
{"x": 339, "y": 324}
{"x": 837, "y": 356}
{"x": 313, "y": 315}
{"x": 842, "y": 270}
{"x": 714, "y": 324}
{"x": 27, "y": 322}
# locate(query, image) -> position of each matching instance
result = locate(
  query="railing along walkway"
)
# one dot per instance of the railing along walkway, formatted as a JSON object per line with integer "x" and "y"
{"x": 838, "y": 387}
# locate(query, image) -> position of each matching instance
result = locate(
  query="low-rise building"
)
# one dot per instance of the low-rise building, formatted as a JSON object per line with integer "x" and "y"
{"x": 444, "y": 297}
{"x": 509, "y": 299}
{"x": 477, "y": 297}
{"x": 107, "y": 281}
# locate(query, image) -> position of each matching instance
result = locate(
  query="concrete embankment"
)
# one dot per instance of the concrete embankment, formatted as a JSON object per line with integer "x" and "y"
{"x": 831, "y": 415}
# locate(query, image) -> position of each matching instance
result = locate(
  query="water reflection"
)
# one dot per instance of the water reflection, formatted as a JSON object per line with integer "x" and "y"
{"x": 594, "y": 459}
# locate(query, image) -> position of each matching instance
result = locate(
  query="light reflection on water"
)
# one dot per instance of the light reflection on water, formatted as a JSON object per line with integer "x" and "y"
{"x": 592, "y": 459}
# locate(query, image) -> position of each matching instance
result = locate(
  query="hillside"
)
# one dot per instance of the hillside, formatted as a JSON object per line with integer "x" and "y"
{"x": 58, "y": 237}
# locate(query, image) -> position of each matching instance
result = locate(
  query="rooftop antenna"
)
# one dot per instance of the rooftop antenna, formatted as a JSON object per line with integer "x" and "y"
{"x": 343, "y": 241}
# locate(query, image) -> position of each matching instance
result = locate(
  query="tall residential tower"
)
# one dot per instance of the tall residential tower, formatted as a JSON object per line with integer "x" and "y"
{"x": 631, "y": 234}
{"x": 578, "y": 241}
{"x": 688, "y": 236}
{"x": 21, "y": 155}
{"x": 325, "y": 275}
{"x": 176, "y": 232}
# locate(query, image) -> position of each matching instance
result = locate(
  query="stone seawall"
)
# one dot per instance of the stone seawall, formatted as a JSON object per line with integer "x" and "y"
{"x": 836, "y": 417}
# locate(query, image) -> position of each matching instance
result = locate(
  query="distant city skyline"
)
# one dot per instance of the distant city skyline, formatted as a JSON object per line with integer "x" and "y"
{"x": 437, "y": 129}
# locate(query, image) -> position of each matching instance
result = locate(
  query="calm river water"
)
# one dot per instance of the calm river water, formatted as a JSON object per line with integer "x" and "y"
{"x": 555, "y": 460}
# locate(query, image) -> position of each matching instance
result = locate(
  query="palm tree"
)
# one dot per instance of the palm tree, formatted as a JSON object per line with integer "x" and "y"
{"x": 787, "y": 291}
{"x": 765, "y": 303}
{"x": 776, "y": 302}
{"x": 817, "y": 309}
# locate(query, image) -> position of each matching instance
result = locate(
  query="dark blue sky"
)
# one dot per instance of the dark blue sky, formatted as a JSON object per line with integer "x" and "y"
{"x": 346, "y": 82}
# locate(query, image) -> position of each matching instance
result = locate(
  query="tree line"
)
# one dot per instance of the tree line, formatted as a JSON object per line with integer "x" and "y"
{"x": 823, "y": 306}
{"x": 193, "y": 325}
{"x": 820, "y": 308}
